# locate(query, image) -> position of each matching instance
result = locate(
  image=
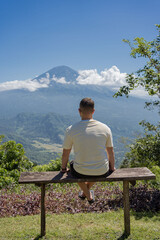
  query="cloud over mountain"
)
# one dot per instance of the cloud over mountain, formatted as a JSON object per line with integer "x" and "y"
{"x": 108, "y": 77}
{"x": 111, "y": 78}
{"x": 30, "y": 85}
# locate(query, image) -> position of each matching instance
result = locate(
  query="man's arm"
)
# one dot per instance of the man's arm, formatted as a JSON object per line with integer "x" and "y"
{"x": 65, "y": 158}
{"x": 111, "y": 159}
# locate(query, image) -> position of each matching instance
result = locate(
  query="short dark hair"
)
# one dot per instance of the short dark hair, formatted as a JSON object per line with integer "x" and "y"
{"x": 87, "y": 104}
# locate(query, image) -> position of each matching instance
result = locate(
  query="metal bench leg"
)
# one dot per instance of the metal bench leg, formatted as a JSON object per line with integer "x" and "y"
{"x": 43, "y": 213}
{"x": 126, "y": 208}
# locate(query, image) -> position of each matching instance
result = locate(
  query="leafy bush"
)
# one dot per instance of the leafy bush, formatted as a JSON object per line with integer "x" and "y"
{"x": 54, "y": 165}
{"x": 5, "y": 179}
{"x": 12, "y": 162}
{"x": 145, "y": 151}
{"x": 64, "y": 199}
{"x": 156, "y": 171}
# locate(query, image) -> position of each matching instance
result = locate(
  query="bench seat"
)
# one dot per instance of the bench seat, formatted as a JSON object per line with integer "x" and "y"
{"x": 127, "y": 174}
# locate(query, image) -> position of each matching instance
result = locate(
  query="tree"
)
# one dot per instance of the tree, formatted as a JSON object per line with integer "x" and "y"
{"x": 149, "y": 76}
{"x": 12, "y": 161}
{"x": 145, "y": 150}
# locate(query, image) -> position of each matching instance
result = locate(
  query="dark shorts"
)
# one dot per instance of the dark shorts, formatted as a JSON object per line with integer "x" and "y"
{"x": 79, "y": 175}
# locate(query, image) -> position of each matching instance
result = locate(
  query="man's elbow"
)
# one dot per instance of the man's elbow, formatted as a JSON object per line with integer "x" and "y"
{"x": 110, "y": 150}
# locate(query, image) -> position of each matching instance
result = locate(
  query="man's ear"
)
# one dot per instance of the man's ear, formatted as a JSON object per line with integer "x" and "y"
{"x": 80, "y": 112}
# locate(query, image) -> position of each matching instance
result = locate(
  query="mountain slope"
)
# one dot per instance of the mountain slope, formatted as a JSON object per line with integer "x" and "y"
{"x": 39, "y": 133}
{"x": 42, "y": 134}
{"x": 60, "y": 72}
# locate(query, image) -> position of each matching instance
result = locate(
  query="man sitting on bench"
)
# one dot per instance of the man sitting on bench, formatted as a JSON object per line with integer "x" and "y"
{"x": 92, "y": 144}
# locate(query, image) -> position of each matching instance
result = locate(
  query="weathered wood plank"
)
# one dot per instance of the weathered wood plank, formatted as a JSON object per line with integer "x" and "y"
{"x": 126, "y": 208}
{"x": 43, "y": 211}
{"x": 129, "y": 174}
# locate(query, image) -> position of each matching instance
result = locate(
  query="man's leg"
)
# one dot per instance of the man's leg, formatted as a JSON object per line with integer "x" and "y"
{"x": 90, "y": 184}
{"x": 85, "y": 190}
{"x": 85, "y": 186}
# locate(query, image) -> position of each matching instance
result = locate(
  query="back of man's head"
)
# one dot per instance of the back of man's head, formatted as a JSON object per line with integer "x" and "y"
{"x": 87, "y": 105}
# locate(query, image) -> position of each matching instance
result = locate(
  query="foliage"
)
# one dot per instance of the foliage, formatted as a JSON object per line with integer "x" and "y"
{"x": 149, "y": 76}
{"x": 64, "y": 199}
{"x": 156, "y": 171}
{"x": 145, "y": 150}
{"x": 12, "y": 162}
{"x": 53, "y": 165}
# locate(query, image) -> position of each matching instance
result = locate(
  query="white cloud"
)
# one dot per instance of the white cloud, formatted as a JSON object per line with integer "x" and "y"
{"x": 59, "y": 80}
{"x": 111, "y": 78}
{"x": 31, "y": 85}
{"x": 89, "y": 77}
{"x": 108, "y": 77}
{"x": 139, "y": 92}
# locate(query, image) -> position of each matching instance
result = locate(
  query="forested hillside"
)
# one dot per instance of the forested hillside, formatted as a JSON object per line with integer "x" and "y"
{"x": 42, "y": 134}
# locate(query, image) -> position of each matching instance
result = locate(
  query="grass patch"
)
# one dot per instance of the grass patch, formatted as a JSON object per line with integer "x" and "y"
{"x": 82, "y": 226}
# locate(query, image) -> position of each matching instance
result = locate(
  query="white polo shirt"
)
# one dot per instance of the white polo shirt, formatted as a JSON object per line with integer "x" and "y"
{"x": 89, "y": 139}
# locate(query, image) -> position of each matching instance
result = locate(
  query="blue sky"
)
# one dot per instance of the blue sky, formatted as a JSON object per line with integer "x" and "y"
{"x": 37, "y": 35}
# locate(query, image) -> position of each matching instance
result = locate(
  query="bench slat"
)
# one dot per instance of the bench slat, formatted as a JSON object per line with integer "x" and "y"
{"x": 129, "y": 174}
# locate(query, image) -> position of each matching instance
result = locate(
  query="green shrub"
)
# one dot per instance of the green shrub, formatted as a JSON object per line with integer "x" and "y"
{"x": 12, "y": 162}
{"x": 54, "y": 165}
{"x": 156, "y": 171}
{"x": 5, "y": 178}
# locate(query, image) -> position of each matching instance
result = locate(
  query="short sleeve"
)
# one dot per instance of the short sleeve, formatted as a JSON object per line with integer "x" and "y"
{"x": 67, "y": 144}
{"x": 109, "y": 142}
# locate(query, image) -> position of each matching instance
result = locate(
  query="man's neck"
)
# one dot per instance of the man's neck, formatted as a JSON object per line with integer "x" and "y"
{"x": 86, "y": 118}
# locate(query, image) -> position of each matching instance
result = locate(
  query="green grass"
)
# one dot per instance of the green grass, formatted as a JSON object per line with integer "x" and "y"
{"x": 88, "y": 226}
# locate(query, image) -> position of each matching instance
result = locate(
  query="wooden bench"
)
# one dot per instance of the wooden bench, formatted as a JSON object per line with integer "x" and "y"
{"x": 125, "y": 174}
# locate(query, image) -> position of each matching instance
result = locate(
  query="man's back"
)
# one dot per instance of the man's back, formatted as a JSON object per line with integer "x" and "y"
{"x": 89, "y": 139}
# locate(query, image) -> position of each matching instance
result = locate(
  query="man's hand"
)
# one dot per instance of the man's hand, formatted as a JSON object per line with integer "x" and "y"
{"x": 64, "y": 170}
{"x": 112, "y": 170}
